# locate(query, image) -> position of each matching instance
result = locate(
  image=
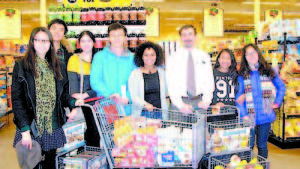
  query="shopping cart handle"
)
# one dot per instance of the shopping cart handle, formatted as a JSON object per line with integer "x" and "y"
{"x": 93, "y": 99}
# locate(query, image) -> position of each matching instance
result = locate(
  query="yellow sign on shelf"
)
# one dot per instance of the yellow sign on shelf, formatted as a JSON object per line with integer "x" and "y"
{"x": 97, "y": 3}
{"x": 10, "y": 18}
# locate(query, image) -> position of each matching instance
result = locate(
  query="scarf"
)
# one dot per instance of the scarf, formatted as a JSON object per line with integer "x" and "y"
{"x": 267, "y": 92}
{"x": 45, "y": 96}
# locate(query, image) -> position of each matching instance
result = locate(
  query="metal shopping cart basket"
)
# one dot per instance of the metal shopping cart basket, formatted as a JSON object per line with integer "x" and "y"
{"x": 152, "y": 141}
{"x": 225, "y": 132}
{"x": 243, "y": 159}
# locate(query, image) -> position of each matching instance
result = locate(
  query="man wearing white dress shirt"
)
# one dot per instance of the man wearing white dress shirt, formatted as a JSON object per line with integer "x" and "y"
{"x": 189, "y": 74}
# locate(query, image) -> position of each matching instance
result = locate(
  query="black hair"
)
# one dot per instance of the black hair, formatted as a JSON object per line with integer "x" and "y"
{"x": 138, "y": 57}
{"x": 116, "y": 26}
{"x": 232, "y": 68}
{"x": 92, "y": 36}
{"x": 264, "y": 67}
{"x": 186, "y": 27}
{"x": 58, "y": 21}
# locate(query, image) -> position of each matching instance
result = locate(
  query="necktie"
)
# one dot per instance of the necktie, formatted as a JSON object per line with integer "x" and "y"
{"x": 191, "y": 84}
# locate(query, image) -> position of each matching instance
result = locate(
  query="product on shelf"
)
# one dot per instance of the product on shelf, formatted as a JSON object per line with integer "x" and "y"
{"x": 52, "y": 14}
{"x": 68, "y": 15}
{"x": 77, "y": 16}
{"x": 108, "y": 15}
{"x": 125, "y": 15}
{"x": 117, "y": 17}
{"x": 92, "y": 16}
{"x": 98, "y": 44}
{"x": 84, "y": 16}
{"x": 141, "y": 16}
{"x": 132, "y": 41}
{"x": 141, "y": 38}
{"x": 60, "y": 12}
{"x": 133, "y": 15}
{"x": 100, "y": 16}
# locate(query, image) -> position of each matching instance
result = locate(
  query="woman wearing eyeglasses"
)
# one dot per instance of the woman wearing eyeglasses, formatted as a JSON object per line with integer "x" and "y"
{"x": 40, "y": 91}
{"x": 79, "y": 68}
{"x": 257, "y": 81}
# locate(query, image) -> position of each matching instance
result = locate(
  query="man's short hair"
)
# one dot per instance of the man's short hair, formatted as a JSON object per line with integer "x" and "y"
{"x": 60, "y": 22}
{"x": 116, "y": 26}
{"x": 187, "y": 27}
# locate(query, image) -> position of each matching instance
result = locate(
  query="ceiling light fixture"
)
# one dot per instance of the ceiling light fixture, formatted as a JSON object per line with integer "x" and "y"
{"x": 181, "y": 19}
{"x": 262, "y": 3}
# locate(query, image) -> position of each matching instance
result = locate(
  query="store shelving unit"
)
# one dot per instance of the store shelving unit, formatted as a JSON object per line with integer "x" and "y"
{"x": 283, "y": 126}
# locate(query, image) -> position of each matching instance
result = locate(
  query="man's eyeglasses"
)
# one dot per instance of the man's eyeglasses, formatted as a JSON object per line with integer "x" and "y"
{"x": 41, "y": 41}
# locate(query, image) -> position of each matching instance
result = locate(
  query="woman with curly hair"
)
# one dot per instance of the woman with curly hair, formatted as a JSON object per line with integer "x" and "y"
{"x": 147, "y": 83}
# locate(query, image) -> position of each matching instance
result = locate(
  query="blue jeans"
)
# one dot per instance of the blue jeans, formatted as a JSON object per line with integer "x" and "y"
{"x": 261, "y": 133}
{"x": 153, "y": 115}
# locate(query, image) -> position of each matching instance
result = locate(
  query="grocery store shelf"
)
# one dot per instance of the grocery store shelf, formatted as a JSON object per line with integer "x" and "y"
{"x": 290, "y": 142}
{"x": 293, "y": 116}
{"x": 103, "y": 28}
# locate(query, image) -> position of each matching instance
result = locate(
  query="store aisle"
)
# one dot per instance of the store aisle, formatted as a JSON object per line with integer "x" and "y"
{"x": 8, "y": 157}
{"x": 280, "y": 159}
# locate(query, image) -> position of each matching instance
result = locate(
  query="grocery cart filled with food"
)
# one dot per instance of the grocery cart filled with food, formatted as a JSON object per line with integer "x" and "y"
{"x": 132, "y": 141}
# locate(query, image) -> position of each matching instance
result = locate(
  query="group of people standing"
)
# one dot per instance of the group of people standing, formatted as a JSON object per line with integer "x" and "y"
{"x": 50, "y": 78}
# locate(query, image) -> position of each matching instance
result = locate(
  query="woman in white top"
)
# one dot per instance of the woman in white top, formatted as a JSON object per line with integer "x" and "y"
{"x": 147, "y": 83}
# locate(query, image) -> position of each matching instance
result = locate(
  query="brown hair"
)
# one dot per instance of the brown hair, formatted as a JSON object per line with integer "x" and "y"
{"x": 186, "y": 27}
{"x": 30, "y": 56}
{"x": 116, "y": 26}
{"x": 264, "y": 67}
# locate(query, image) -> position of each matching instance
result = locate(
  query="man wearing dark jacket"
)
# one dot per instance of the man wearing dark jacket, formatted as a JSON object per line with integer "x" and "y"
{"x": 58, "y": 29}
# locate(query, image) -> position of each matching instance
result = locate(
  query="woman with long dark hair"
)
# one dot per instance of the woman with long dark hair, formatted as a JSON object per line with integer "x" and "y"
{"x": 40, "y": 91}
{"x": 257, "y": 81}
{"x": 225, "y": 78}
{"x": 79, "y": 68}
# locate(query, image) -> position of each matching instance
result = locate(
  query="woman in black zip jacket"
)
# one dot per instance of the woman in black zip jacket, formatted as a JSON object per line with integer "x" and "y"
{"x": 40, "y": 91}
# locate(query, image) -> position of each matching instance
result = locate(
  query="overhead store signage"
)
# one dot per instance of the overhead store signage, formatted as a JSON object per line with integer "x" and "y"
{"x": 213, "y": 22}
{"x": 11, "y": 24}
{"x": 152, "y": 18}
{"x": 97, "y": 3}
{"x": 272, "y": 15}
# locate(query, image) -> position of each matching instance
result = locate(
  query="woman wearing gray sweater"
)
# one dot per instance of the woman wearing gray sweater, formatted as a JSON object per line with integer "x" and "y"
{"x": 147, "y": 83}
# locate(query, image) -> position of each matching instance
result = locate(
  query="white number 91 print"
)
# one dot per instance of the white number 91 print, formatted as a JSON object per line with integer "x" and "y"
{"x": 223, "y": 89}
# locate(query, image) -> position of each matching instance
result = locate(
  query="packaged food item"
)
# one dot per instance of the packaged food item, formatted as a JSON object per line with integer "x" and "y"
{"x": 117, "y": 15}
{"x": 92, "y": 16}
{"x": 98, "y": 44}
{"x": 125, "y": 15}
{"x": 100, "y": 16}
{"x": 141, "y": 16}
{"x": 76, "y": 16}
{"x": 133, "y": 15}
{"x": 52, "y": 14}
{"x": 108, "y": 15}
{"x": 84, "y": 16}
{"x": 60, "y": 12}
{"x": 141, "y": 38}
{"x": 132, "y": 40}
{"x": 68, "y": 16}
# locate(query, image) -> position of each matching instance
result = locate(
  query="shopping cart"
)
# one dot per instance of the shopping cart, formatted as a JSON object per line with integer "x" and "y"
{"x": 243, "y": 159}
{"x": 225, "y": 133}
{"x": 139, "y": 142}
{"x": 84, "y": 157}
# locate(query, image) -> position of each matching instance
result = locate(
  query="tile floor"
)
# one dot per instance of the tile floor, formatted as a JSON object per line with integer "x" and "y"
{"x": 279, "y": 159}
